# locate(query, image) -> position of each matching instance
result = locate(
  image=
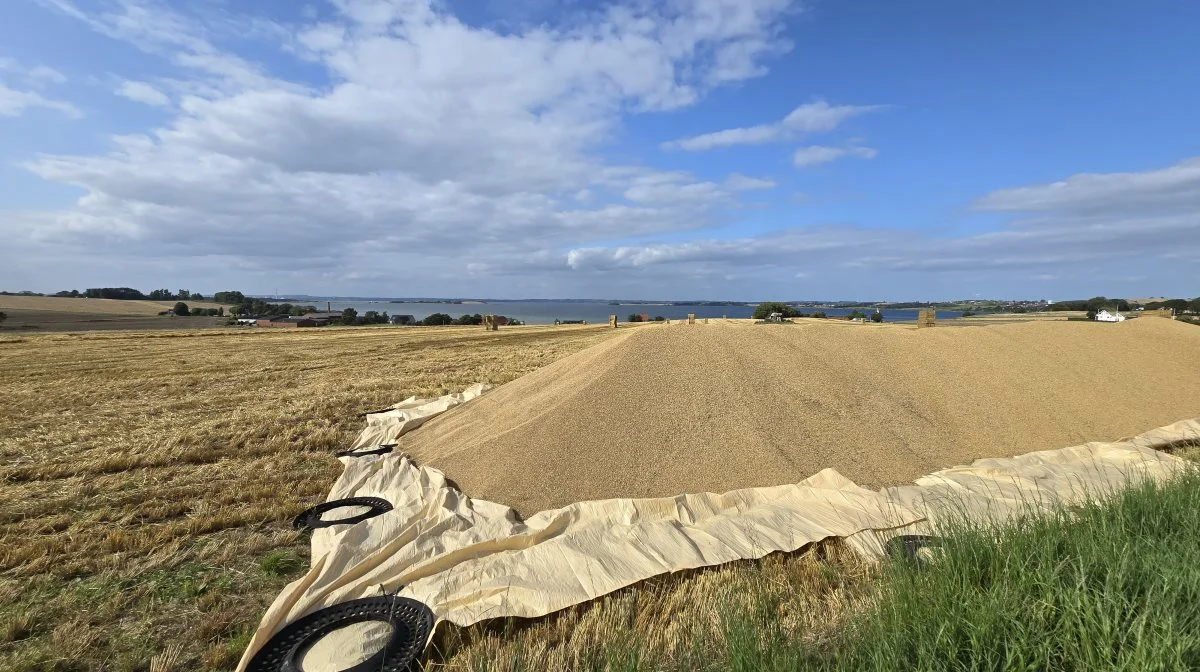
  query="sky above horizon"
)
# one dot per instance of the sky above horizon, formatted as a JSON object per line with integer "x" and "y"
{"x": 703, "y": 149}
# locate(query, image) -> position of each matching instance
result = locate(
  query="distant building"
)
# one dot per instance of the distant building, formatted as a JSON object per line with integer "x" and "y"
{"x": 404, "y": 320}
{"x": 1105, "y": 316}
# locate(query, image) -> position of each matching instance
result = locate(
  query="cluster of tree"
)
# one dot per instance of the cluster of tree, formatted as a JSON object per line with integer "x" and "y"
{"x": 258, "y": 307}
{"x": 181, "y": 295}
{"x": 442, "y": 319}
{"x": 181, "y": 310}
{"x": 1180, "y": 306}
{"x": 230, "y": 298}
{"x": 351, "y": 317}
{"x": 129, "y": 294}
{"x": 764, "y": 310}
{"x": 1092, "y": 305}
{"x": 636, "y": 317}
{"x": 119, "y": 293}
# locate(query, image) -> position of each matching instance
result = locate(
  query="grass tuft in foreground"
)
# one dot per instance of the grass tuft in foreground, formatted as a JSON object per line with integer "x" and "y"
{"x": 1107, "y": 586}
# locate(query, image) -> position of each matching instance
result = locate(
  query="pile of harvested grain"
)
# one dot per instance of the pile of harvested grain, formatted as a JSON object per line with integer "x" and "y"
{"x": 665, "y": 410}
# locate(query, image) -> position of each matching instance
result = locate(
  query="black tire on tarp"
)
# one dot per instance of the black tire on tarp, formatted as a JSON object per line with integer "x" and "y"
{"x": 382, "y": 449}
{"x": 906, "y": 546}
{"x": 311, "y": 518}
{"x": 411, "y": 623}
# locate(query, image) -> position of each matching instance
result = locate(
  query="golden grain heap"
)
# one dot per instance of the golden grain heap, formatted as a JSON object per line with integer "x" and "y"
{"x": 663, "y": 410}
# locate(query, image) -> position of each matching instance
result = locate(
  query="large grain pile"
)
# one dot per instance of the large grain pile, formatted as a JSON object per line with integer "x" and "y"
{"x": 664, "y": 410}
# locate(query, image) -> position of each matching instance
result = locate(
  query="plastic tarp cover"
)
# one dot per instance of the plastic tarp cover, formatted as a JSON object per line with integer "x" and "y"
{"x": 470, "y": 560}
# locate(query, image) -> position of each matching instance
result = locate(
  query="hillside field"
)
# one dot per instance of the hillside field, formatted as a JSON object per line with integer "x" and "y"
{"x": 33, "y": 314}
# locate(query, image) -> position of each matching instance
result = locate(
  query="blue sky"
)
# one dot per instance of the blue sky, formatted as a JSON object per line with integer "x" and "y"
{"x": 722, "y": 149}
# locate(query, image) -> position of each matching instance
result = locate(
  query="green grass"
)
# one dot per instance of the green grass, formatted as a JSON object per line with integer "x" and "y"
{"x": 1106, "y": 586}
{"x": 1110, "y": 586}
{"x": 282, "y": 562}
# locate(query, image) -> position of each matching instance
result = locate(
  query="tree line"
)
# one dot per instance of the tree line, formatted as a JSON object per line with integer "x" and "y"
{"x": 444, "y": 319}
{"x": 1178, "y": 305}
{"x": 131, "y": 294}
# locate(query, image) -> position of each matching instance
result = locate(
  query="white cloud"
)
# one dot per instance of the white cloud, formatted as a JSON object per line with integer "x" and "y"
{"x": 142, "y": 92}
{"x": 773, "y": 249}
{"x": 816, "y": 155}
{"x": 45, "y": 73}
{"x": 739, "y": 182}
{"x": 14, "y": 103}
{"x": 1076, "y": 236}
{"x": 1176, "y": 186}
{"x": 820, "y": 117}
{"x": 433, "y": 138}
{"x": 816, "y": 117}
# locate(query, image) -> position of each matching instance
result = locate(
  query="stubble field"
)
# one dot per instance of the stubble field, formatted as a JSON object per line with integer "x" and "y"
{"x": 148, "y": 479}
{"x": 37, "y": 314}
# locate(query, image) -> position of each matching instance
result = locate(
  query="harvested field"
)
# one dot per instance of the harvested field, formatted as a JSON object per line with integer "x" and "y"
{"x": 148, "y": 479}
{"x": 52, "y": 313}
{"x": 1001, "y": 318}
{"x": 669, "y": 409}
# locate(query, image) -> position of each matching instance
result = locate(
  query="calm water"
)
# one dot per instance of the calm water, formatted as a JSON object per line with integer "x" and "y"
{"x": 545, "y": 312}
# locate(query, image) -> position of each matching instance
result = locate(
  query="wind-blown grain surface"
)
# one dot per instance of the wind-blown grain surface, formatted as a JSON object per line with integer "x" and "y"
{"x": 673, "y": 409}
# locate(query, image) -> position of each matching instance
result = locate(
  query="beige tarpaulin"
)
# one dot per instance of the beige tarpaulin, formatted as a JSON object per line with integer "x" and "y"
{"x": 996, "y": 489}
{"x": 470, "y": 560}
{"x": 389, "y": 425}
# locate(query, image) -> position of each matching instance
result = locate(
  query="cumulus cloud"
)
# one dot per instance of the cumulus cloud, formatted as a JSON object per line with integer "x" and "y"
{"x": 815, "y": 117}
{"x": 432, "y": 138}
{"x": 816, "y": 155}
{"x": 142, "y": 92}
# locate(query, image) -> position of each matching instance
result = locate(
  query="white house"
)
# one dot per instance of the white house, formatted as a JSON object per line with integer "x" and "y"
{"x": 1105, "y": 316}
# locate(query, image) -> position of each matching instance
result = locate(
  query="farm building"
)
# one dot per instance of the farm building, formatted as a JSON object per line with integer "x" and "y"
{"x": 404, "y": 320}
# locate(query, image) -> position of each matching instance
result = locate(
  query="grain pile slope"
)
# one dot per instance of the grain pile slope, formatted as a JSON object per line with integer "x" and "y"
{"x": 671, "y": 409}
